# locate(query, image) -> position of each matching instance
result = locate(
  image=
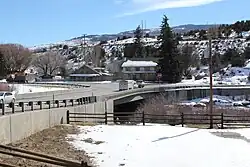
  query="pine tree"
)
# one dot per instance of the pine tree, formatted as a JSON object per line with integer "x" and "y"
{"x": 3, "y": 70}
{"x": 138, "y": 42}
{"x": 169, "y": 65}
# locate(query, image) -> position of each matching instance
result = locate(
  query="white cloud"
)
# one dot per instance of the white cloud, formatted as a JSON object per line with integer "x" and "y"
{"x": 153, "y": 5}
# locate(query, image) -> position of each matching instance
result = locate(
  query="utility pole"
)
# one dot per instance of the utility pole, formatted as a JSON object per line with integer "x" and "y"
{"x": 212, "y": 32}
{"x": 210, "y": 77}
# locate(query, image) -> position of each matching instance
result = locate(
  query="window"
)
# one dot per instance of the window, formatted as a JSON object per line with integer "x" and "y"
{"x": 147, "y": 68}
{"x": 132, "y": 68}
{"x": 137, "y": 68}
{"x": 152, "y": 68}
{"x": 141, "y": 68}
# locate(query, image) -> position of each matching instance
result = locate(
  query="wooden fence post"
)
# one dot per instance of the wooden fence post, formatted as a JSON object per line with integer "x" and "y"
{"x": 222, "y": 120}
{"x": 3, "y": 108}
{"x": 182, "y": 119}
{"x": 143, "y": 118}
{"x": 106, "y": 117}
{"x": 67, "y": 116}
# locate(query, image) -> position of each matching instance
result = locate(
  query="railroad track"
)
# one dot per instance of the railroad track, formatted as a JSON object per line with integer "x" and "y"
{"x": 39, "y": 157}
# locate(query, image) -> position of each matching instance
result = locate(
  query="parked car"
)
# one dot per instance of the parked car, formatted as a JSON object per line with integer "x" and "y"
{"x": 140, "y": 83}
{"x": 7, "y": 97}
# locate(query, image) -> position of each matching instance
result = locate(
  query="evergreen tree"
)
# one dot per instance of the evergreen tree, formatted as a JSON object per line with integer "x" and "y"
{"x": 169, "y": 65}
{"x": 138, "y": 42}
{"x": 3, "y": 70}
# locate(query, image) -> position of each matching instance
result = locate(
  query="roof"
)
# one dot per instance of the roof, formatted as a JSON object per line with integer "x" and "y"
{"x": 84, "y": 75}
{"x": 130, "y": 63}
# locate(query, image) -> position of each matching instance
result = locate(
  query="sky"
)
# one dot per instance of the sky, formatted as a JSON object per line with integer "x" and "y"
{"x": 35, "y": 22}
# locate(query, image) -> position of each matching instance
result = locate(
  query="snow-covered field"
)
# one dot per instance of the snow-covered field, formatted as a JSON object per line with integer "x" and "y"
{"x": 23, "y": 89}
{"x": 159, "y": 145}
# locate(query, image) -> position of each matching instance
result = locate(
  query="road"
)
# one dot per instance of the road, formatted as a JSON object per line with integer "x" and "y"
{"x": 93, "y": 90}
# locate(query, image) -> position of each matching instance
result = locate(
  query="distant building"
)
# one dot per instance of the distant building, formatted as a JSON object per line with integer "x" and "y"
{"x": 88, "y": 73}
{"x": 139, "y": 70}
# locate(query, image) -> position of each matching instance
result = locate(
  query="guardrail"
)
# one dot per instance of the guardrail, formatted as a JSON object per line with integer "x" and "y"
{"x": 39, "y": 105}
{"x": 61, "y": 83}
{"x": 65, "y": 102}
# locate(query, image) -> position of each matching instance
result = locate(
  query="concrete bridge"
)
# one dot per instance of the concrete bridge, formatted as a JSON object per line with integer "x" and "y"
{"x": 16, "y": 126}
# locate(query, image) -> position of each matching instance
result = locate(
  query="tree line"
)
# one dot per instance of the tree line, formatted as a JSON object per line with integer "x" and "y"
{"x": 15, "y": 58}
{"x": 223, "y": 30}
{"x": 176, "y": 61}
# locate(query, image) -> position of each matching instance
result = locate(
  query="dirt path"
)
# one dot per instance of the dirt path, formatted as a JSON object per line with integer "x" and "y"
{"x": 50, "y": 141}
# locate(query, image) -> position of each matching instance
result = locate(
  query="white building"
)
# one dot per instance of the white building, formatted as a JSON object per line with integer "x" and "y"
{"x": 139, "y": 70}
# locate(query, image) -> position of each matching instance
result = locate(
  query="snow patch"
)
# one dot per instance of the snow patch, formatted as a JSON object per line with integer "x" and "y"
{"x": 147, "y": 146}
{"x": 130, "y": 63}
{"x": 23, "y": 89}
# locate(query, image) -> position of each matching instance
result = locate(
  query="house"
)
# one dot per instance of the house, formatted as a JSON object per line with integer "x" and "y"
{"x": 88, "y": 73}
{"x": 139, "y": 70}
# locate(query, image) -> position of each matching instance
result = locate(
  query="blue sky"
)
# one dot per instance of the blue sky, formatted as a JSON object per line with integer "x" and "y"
{"x": 34, "y": 22}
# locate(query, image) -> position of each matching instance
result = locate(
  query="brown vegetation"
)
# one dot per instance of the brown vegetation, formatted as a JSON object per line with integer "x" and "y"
{"x": 49, "y": 63}
{"x": 162, "y": 110}
{"x": 14, "y": 58}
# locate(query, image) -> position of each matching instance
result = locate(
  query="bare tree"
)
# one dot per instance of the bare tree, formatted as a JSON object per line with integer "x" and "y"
{"x": 14, "y": 58}
{"x": 187, "y": 59}
{"x": 49, "y": 63}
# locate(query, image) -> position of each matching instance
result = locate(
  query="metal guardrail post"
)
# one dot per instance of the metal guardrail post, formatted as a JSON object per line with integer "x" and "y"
{"x": 49, "y": 103}
{"x": 13, "y": 107}
{"x": 21, "y": 104}
{"x": 57, "y": 103}
{"x": 40, "y": 104}
{"x": 65, "y": 103}
{"x": 72, "y": 102}
{"x": 31, "y": 104}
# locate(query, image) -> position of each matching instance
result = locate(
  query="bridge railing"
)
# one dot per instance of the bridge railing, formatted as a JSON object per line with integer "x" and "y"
{"x": 40, "y": 105}
{"x": 163, "y": 88}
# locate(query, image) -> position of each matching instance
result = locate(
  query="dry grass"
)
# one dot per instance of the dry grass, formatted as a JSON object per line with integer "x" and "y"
{"x": 50, "y": 141}
{"x": 162, "y": 110}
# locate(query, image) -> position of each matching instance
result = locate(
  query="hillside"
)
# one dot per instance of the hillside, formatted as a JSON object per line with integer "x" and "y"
{"x": 115, "y": 48}
{"x": 93, "y": 39}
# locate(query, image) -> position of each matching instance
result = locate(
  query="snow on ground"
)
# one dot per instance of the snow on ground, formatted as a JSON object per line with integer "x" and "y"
{"x": 22, "y": 89}
{"x": 219, "y": 101}
{"x": 3, "y": 81}
{"x": 156, "y": 145}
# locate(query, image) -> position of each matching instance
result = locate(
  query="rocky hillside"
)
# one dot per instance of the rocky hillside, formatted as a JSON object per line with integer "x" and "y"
{"x": 110, "y": 47}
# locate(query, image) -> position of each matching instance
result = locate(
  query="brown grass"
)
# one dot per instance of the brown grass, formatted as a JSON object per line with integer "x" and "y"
{"x": 162, "y": 110}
